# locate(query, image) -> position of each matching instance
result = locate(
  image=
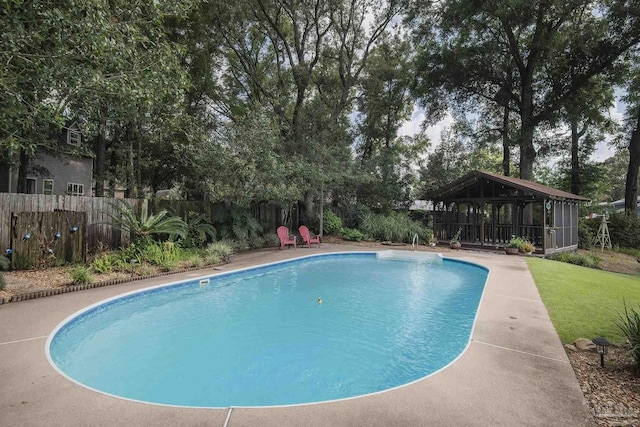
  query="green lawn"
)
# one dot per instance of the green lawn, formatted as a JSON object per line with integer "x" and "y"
{"x": 582, "y": 302}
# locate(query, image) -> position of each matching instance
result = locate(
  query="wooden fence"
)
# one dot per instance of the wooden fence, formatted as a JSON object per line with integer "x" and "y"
{"x": 45, "y": 239}
{"x": 95, "y": 232}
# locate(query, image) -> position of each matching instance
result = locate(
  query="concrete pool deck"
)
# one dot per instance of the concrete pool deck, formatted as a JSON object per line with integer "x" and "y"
{"x": 515, "y": 371}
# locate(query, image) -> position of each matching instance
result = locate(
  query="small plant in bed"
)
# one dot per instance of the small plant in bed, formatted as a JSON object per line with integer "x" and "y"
{"x": 629, "y": 325}
{"x": 222, "y": 251}
{"x": 352, "y": 234}
{"x": 332, "y": 223}
{"x": 102, "y": 264}
{"x": 81, "y": 275}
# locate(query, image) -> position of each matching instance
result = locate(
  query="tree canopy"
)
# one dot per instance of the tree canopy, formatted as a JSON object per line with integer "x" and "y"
{"x": 291, "y": 100}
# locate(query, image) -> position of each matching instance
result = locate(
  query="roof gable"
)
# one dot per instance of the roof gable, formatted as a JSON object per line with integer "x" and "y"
{"x": 522, "y": 185}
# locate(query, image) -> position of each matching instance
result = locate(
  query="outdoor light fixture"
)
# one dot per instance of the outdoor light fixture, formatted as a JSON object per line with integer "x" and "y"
{"x": 601, "y": 348}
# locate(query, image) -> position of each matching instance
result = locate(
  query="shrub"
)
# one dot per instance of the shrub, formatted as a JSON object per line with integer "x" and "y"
{"x": 81, "y": 275}
{"x": 395, "y": 227}
{"x": 143, "y": 226}
{"x": 352, "y": 234}
{"x": 586, "y": 235}
{"x": 156, "y": 254}
{"x": 212, "y": 259}
{"x": 256, "y": 242}
{"x": 624, "y": 230}
{"x": 629, "y": 324}
{"x": 517, "y": 242}
{"x": 332, "y": 223}
{"x": 143, "y": 270}
{"x": 238, "y": 224}
{"x": 585, "y": 260}
{"x": 527, "y": 248}
{"x": 168, "y": 265}
{"x": 271, "y": 240}
{"x": 122, "y": 265}
{"x": 102, "y": 264}
{"x": 223, "y": 250}
{"x": 134, "y": 251}
{"x": 196, "y": 261}
{"x": 199, "y": 230}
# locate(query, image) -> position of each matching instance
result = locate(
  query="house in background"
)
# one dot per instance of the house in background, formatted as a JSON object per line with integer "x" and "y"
{"x": 68, "y": 172}
{"x": 618, "y": 205}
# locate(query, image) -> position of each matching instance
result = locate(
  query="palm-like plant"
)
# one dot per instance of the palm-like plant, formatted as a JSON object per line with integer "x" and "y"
{"x": 199, "y": 230}
{"x": 143, "y": 226}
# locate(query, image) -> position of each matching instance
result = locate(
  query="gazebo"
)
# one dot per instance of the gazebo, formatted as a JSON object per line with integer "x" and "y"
{"x": 489, "y": 209}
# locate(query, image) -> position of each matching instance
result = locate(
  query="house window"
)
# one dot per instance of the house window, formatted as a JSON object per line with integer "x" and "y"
{"x": 31, "y": 185}
{"x": 73, "y": 137}
{"x": 47, "y": 186}
{"x": 75, "y": 189}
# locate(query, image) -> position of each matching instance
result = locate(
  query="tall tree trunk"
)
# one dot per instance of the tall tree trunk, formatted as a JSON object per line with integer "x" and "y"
{"x": 22, "y": 172}
{"x": 527, "y": 151}
{"x": 506, "y": 150}
{"x": 527, "y": 128}
{"x": 100, "y": 147}
{"x": 631, "y": 187}
{"x": 576, "y": 187}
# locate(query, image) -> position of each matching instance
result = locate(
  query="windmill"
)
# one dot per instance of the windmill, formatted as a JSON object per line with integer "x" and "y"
{"x": 602, "y": 238}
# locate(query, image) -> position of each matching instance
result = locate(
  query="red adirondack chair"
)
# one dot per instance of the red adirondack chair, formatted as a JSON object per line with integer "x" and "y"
{"x": 306, "y": 237}
{"x": 285, "y": 239}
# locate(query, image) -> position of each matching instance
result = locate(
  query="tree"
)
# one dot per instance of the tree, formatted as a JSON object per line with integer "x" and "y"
{"x": 242, "y": 164}
{"x": 613, "y": 175}
{"x": 632, "y": 125}
{"x": 384, "y": 104}
{"x": 105, "y": 64}
{"x": 555, "y": 49}
{"x": 453, "y": 158}
{"x": 302, "y": 61}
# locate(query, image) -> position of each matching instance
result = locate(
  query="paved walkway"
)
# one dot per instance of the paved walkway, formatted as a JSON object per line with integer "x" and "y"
{"x": 514, "y": 373}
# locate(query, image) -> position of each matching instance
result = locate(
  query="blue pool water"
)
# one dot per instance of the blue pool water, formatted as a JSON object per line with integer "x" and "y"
{"x": 260, "y": 337}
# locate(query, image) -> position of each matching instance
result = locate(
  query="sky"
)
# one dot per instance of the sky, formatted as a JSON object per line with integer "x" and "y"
{"x": 412, "y": 127}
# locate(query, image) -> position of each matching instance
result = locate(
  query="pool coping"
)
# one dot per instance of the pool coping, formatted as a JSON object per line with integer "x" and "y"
{"x": 513, "y": 370}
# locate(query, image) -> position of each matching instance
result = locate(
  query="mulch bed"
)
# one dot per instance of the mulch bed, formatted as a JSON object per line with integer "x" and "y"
{"x": 613, "y": 392}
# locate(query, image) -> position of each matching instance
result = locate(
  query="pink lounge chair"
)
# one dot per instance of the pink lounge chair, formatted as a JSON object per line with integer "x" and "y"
{"x": 306, "y": 237}
{"x": 285, "y": 239}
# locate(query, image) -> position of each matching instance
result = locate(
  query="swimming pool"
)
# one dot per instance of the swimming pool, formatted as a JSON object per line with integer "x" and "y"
{"x": 261, "y": 337}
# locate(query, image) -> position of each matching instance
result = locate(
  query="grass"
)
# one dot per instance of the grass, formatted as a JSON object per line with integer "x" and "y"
{"x": 583, "y": 302}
